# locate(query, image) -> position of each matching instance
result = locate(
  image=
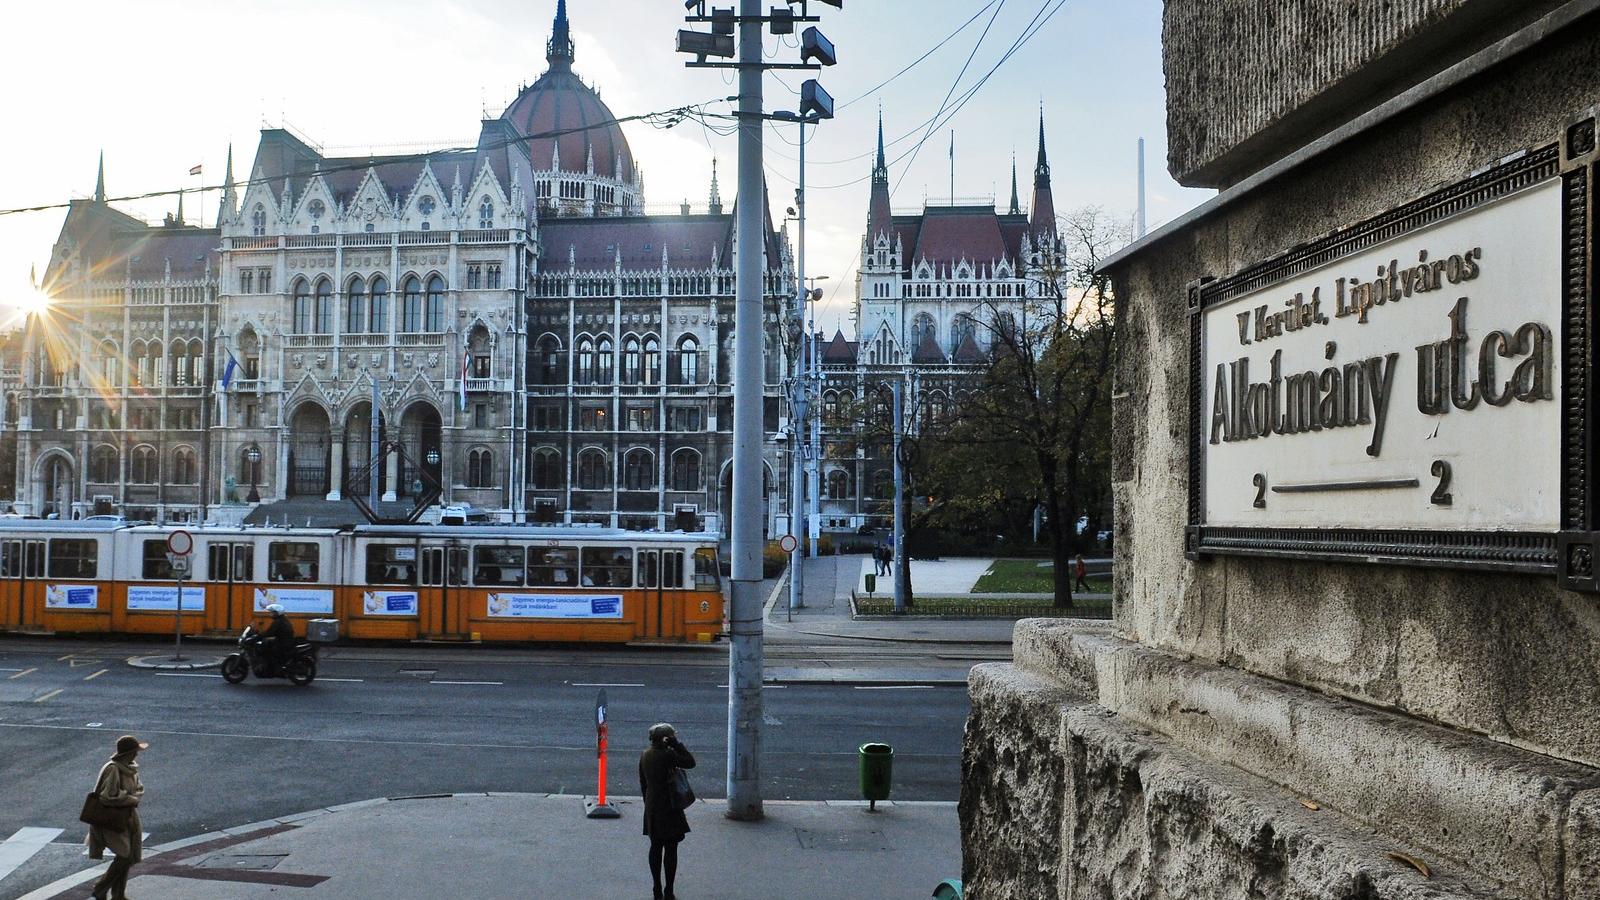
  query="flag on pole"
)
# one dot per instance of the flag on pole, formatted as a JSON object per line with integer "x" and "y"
{"x": 466, "y": 361}
{"x": 228, "y": 370}
{"x": 195, "y": 170}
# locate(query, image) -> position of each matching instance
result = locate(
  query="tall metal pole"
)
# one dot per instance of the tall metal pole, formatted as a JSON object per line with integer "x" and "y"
{"x": 744, "y": 619}
{"x": 372, "y": 450}
{"x": 814, "y": 470}
{"x": 1141, "y": 189}
{"x": 797, "y": 474}
{"x": 900, "y": 564}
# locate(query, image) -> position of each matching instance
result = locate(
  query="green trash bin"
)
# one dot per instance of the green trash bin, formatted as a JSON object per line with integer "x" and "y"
{"x": 872, "y": 582}
{"x": 877, "y": 766}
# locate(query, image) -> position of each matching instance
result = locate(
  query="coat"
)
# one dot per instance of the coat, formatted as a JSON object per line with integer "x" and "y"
{"x": 118, "y": 786}
{"x": 662, "y": 821}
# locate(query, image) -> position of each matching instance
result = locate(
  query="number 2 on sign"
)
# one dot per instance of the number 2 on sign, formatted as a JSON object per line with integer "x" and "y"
{"x": 1260, "y": 481}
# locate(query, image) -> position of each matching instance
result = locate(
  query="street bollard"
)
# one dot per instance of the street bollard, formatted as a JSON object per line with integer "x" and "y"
{"x": 877, "y": 767}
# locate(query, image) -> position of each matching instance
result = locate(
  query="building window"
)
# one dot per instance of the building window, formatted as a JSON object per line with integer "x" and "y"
{"x": 688, "y": 361}
{"x": 486, "y": 214}
{"x": 686, "y": 470}
{"x": 641, "y": 418}
{"x": 591, "y": 418}
{"x": 184, "y": 470}
{"x": 652, "y": 360}
{"x": 302, "y": 308}
{"x": 378, "y": 306}
{"x": 639, "y": 470}
{"x": 630, "y": 361}
{"x": 594, "y": 473}
{"x": 252, "y": 367}
{"x": 585, "y": 373}
{"x": 103, "y": 465}
{"x": 474, "y": 277}
{"x": 547, "y": 418}
{"x": 146, "y": 465}
{"x": 355, "y": 305}
{"x": 264, "y": 281}
{"x": 494, "y": 277}
{"x": 480, "y": 469}
{"x": 686, "y": 419}
{"x": 411, "y": 306}
{"x": 605, "y": 361}
{"x": 435, "y": 311}
{"x": 324, "y": 307}
{"x": 247, "y": 281}
{"x": 549, "y": 361}
{"x": 258, "y": 221}
{"x": 247, "y": 416}
{"x": 838, "y": 485}
{"x": 546, "y": 469}
{"x": 481, "y": 365}
{"x": 480, "y": 415}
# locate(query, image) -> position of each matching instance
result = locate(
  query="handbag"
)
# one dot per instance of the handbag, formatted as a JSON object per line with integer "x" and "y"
{"x": 678, "y": 787}
{"x": 100, "y": 815}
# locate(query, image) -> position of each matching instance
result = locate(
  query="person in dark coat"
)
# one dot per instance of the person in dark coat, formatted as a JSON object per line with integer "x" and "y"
{"x": 664, "y": 823}
{"x": 118, "y": 786}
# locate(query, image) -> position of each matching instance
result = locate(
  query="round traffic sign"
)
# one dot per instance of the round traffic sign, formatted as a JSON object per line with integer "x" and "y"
{"x": 180, "y": 542}
{"x": 788, "y": 543}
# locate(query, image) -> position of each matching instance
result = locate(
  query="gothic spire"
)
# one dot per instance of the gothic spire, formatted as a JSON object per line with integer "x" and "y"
{"x": 1042, "y": 215}
{"x": 878, "y": 214}
{"x": 716, "y": 194}
{"x": 100, "y": 180}
{"x": 1016, "y": 207}
{"x": 179, "y": 219}
{"x": 559, "y": 52}
{"x": 1041, "y": 168}
{"x": 230, "y": 202}
{"x": 881, "y": 166}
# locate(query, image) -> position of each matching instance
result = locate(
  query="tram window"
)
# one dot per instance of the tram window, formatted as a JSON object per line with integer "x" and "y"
{"x": 458, "y": 565}
{"x": 35, "y": 560}
{"x": 552, "y": 566}
{"x": 244, "y": 562}
{"x": 73, "y": 558}
{"x": 706, "y": 577}
{"x": 648, "y": 568}
{"x": 391, "y": 564}
{"x": 607, "y": 567}
{"x": 156, "y": 567}
{"x": 217, "y": 562}
{"x": 433, "y": 565}
{"x": 292, "y": 561}
{"x": 11, "y": 559}
{"x": 497, "y": 566}
{"x": 672, "y": 568}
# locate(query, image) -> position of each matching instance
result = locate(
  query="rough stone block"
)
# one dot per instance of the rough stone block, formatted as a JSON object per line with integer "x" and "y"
{"x": 1582, "y": 846}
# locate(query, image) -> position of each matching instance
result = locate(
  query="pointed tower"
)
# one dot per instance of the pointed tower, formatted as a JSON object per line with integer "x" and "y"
{"x": 100, "y": 180}
{"x": 230, "y": 195}
{"x": 179, "y": 220}
{"x": 1042, "y": 215}
{"x": 716, "y": 194}
{"x": 559, "y": 51}
{"x": 1016, "y": 208}
{"x": 878, "y": 215}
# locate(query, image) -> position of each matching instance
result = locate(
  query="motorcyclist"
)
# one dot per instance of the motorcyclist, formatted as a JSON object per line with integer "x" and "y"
{"x": 278, "y": 640}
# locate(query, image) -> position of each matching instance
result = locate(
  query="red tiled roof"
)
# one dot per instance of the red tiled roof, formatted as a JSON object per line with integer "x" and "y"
{"x": 949, "y": 234}
{"x": 559, "y": 100}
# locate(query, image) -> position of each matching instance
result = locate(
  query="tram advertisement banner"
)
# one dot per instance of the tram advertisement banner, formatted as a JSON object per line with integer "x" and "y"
{"x": 165, "y": 599}
{"x": 296, "y": 600}
{"x": 72, "y": 596}
{"x": 389, "y": 603}
{"x": 556, "y": 606}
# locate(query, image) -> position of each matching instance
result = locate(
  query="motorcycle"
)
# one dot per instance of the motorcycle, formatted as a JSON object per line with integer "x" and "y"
{"x": 300, "y": 669}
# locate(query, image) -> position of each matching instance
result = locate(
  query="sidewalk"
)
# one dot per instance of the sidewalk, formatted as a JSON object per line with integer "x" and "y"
{"x": 487, "y": 846}
{"x": 827, "y": 582}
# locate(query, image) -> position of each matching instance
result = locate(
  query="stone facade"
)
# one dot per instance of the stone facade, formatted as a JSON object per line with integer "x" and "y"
{"x": 1255, "y": 727}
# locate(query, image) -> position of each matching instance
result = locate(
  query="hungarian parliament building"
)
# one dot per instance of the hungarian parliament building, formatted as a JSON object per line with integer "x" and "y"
{"x": 533, "y": 345}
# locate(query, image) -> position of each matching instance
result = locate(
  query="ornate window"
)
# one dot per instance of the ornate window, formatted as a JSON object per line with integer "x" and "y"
{"x": 639, "y": 470}
{"x": 411, "y": 309}
{"x": 315, "y": 209}
{"x": 103, "y": 465}
{"x": 486, "y": 214}
{"x": 435, "y": 310}
{"x": 425, "y": 206}
{"x": 184, "y": 470}
{"x": 549, "y": 360}
{"x": 630, "y": 360}
{"x": 585, "y": 373}
{"x": 605, "y": 361}
{"x": 922, "y": 328}
{"x": 960, "y": 330}
{"x": 688, "y": 360}
{"x": 324, "y": 321}
{"x": 302, "y": 308}
{"x": 838, "y": 485}
{"x": 546, "y": 469}
{"x": 378, "y": 306}
{"x": 480, "y": 468}
{"x": 686, "y": 470}
{"x": 258, "y": 221}
{"x": 652, "y": 360}
{"x": 146, "y": 465}
{"x": 594, "y": 471}
{"x": 355, "y": 307}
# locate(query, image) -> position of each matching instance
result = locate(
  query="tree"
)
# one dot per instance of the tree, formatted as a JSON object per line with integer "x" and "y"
{"x": 1046, "y": 387}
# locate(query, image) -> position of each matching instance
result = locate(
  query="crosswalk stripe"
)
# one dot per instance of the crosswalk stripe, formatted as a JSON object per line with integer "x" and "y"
{"x": 20, "y": 847}
{"x": 24, "y": 672}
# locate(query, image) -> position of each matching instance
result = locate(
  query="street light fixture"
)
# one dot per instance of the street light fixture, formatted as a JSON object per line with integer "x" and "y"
{"x": 253, "y": 455}
{"x": 433, "y": 456}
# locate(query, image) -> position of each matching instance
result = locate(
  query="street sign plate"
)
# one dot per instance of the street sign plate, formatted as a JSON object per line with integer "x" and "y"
{"x": 179, "y": 563}
{"x": 180, "y": 542}
{"x": 788, "y": 543}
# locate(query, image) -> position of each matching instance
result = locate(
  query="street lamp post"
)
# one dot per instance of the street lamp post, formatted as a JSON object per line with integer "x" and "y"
{"x": 253, "y": 456}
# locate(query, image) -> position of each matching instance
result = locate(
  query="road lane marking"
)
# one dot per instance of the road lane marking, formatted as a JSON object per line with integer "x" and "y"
{"x": 188, "y": 675}
{"x": 355, "y": 680}
{"x": 765, "y": 687}
{"x": 599, "y": 684}
{"x": 466, "y": 682}
{"x": 21, "y": 847}
{"x": 48, "y": 696}
{"x": 24, "y": 672}
{"x": 894, "y": 687}
{"x": 9, "y": 669}
{"x": 96, "y": 675}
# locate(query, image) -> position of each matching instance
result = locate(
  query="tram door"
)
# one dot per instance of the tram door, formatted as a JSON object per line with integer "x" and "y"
{"x": 22, "y": 572}
{"x": 231, "y": 571}
{"x": 660, "y": 582}
{"x": 441, "y": 594}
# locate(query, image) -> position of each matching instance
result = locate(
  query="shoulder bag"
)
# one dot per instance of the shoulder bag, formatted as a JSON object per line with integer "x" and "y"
{"x": 682, "y": 793}
{"x": 102, "y": 816}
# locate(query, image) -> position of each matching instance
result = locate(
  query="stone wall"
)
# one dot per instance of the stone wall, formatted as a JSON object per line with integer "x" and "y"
{"x": 1249, "y": 81}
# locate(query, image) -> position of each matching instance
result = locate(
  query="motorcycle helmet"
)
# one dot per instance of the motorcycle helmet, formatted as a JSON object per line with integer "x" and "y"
{"x": 275, "y": 608}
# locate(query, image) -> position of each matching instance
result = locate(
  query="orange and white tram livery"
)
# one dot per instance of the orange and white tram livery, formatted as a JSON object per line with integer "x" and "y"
{"x": 382, "y": 582}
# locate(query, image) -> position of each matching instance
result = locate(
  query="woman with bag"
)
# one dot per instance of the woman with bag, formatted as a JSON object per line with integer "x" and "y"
{"x": 666, "y": 795}
{"x": 113, "y": 811}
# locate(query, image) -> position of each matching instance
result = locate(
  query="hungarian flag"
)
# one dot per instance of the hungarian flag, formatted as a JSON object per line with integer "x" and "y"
{"x": 195, "y": 171}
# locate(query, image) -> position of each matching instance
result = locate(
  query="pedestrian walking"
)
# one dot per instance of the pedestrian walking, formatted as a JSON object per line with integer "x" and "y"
{"x": 879, "y": 559}
{"x": 664, "y": 822}
{"x": 1082, "y": 570}
{"x": 118, "y": 787}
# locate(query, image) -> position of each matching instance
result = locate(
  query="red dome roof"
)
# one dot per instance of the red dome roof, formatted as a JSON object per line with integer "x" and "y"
{"x": 559, "y": 101}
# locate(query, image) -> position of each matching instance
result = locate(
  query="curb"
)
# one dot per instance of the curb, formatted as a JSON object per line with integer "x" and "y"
{"x": 165, "y": 664}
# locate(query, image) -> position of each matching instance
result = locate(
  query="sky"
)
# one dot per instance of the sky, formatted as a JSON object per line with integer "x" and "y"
{"x": 161, "y": 86}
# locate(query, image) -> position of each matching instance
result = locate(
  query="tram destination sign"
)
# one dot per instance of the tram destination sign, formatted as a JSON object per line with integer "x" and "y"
{"x": 1398, "y": 391}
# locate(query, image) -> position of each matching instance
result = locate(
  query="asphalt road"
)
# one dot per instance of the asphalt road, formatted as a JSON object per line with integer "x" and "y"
{"x": 406, "y": 721}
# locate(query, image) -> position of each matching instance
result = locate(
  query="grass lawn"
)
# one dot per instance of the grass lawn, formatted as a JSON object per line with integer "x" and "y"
{"x": 1029, "y": 576}
{"x": 969, "y": 607}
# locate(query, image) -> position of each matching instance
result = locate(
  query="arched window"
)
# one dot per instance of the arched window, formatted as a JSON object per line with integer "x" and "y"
{"x": 594, "y": 471}
{"x": 486, "y": 214}
{"x": 103, "y": 465}
{"x": 435, "y": 312}
{"x": 378, "y": 306}
{"x": 830, "y": 406}
{"x": 549, "y": 360}
{"x": 546, "y": 469}
{"x": 302, "y": 307}
{"x": 258, "y": 221}
{"x": 411, "y": 306}
{"x": 883, "y": 485}
{"x": 652, "y": 360}
{"x": 180, "y": 363}
{"x": 686, "y": 470}
{"x": 480, "y": 468}
{"x": 585, "y": 374}
{"x": 838, "y": 485}
{"x": 110, "y": 364}
{"x": 355, "y": 307}
{"x": 184, "y": 470}
{"x": 922, "y": 328}
{"x": 146, "y": 465}
{"x": 605, "y": 361}
{"x": 688, "y": 360}
{"x": 630, "y": 361}
{"x": 639, "y": 470}
{"x": 324, "y": 321}
{"x": 962, "y": 328}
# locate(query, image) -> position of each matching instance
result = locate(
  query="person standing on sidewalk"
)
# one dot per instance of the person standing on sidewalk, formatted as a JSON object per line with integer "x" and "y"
{"x": 119, "y": 788}
{"x": 664, "y": 823}
{"x": 1082, "y": 570}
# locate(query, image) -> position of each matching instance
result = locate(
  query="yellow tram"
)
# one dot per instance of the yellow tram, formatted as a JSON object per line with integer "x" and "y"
{"x": 383, "y": 582}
